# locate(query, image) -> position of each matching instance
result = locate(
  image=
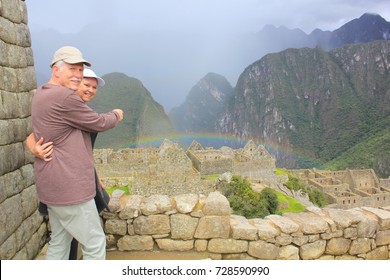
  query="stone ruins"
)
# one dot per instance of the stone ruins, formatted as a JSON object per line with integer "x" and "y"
{"x": 348, "y": 188}
{"x": 170, "y": 170}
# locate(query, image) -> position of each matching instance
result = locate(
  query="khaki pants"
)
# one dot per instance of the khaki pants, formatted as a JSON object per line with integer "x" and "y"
{"x": 80, "y": 221}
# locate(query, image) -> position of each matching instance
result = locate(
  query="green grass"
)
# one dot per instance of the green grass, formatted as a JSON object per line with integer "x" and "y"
{"x": 280, "y": 171}
{"x": 122, "y": 188}
{"x": 211, "y": 177}
{"x": 293, "y": 204}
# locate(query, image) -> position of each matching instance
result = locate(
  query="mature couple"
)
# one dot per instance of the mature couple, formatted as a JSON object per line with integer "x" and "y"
{"x": 65, "y": 176}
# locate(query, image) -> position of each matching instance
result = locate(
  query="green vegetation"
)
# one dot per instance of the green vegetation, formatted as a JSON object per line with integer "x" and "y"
{"x": 143, "y": 116}
{"x": 316, "y": 196}
{"x": 323, "y": 110}
{"x": 211, "y": 177}
{"x": 371, "y": 153}
{"x": 122, "y": 188}
{"x": 248, "y": 203}
{"x": 293, "y": 204}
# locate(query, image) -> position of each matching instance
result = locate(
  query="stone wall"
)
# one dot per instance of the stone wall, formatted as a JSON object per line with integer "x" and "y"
{"x": 23, "y": 231}
{"x": 205, "y": 224}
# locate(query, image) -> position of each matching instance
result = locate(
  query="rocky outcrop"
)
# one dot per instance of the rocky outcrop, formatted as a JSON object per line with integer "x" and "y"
{"x": 205, "y": 224}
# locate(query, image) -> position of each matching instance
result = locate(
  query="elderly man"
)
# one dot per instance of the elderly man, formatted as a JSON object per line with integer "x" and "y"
{"x": 66, "y": 184}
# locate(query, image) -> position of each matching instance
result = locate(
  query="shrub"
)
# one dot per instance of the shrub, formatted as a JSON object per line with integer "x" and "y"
{"x": 246, "y": 202}
{"x": 317, "y": 197}
{"x": 272, "y": 200}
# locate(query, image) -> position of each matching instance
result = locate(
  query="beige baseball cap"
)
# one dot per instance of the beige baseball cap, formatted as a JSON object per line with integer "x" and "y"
{"x": 70, "y": 55}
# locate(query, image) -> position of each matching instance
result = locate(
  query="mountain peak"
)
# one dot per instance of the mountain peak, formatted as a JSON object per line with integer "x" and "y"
{"x": 369, "y": 27}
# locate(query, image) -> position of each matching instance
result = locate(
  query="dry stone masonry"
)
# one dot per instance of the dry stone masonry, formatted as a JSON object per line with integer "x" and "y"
{"x": 192, "y": 222}
{"x": 23, "y": 231}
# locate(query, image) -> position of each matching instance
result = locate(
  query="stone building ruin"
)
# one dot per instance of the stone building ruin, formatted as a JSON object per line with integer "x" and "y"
{"x": 348, "y": 188}
{"x": 253, "y": 162}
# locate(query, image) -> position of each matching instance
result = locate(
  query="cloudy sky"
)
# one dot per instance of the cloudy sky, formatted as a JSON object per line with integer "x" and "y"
{"x": 167, "y": 72}
{"x": 244, "y": 15}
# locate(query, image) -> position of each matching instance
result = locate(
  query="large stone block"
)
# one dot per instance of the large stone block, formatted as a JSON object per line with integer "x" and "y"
{"x": 382, "y": 238}
{"x": 10, "y": 79}
{"x": 10, "y": 184}
{"x": 27, "y": 229}
{"x": 3, "y": 58}
{"x": 338, "y": 246}
{"x": 16, "y": 56}
{"x": 7, "y": 33}
{"x": 263, "y": 250}
{"x": 309, "y": 223}
{"x": 285, "y": 225}
{"x": 200, "y": 245}
{"x": 15, "y": 105}
{"x": 213, "y": 227}
{"x": 382, "y": 216}
{"x": 175, "y": 245}
{"x": 229, "y": 246}
{"x": 343, "y": 218}
{"x": 10, "y": 217}
{"x": 241, "y": 229}
{"x": 29, "y": 56}
{"x": 29, "y": 201}
{"x": 283, "y": 239}
{"x": 156, "y": 204}
{"x": 288, "y": 252}
{"x": 183, "y": 226}
{"x": 36, "y": 242}
{"x": 360, "y": 246}
{"x": 216, "y": 205}
{"x": 135, "y": 243}
{"x": 27, "y": 172}
{"x": 26, "y": 79}
{"x": 116, "y": 226}
{"x": 153, "y": 224}
{"x": 23, "y": 35}
{"x": 14, "y": 130}
{"x": 299, "y": 240}
{"x": 14, "y": 153}
{"x": 379, "y": 253}
{"x": 131, "y": 208}
{"x": 13, "y": 10}
{"x": 8, "y": 248}
{"x": 312, "y": 251}
{"x": 265, "y": 228}
{"x": 185, "y": 203}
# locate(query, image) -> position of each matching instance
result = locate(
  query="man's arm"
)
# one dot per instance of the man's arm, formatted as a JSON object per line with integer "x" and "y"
{"x": 39, "y": 150}
{"x": 75, "y": 113}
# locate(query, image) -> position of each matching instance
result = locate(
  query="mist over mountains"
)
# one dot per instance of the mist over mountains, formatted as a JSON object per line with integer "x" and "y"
{"x": 170, "y": 64}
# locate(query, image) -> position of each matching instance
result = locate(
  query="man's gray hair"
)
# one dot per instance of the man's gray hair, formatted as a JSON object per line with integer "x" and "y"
{"x": 60, "y": 64}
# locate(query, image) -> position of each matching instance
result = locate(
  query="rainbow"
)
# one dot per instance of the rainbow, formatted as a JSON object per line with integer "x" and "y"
{"x": 218, "y": 140}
